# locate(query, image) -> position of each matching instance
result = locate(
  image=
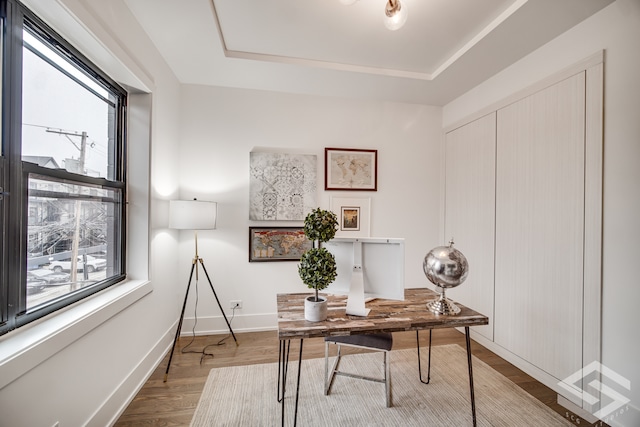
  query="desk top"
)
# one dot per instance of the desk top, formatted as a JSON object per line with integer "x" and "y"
{"x": 385, "y": 316}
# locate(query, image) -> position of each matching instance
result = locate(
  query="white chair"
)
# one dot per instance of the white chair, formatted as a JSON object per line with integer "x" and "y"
{"x": 379, "y": 342}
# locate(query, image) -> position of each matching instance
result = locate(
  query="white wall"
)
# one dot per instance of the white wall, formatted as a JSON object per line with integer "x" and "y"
{"x": 200, "y": 143}
{"x": 616, "y": 29}
{"x": 199, "y": 146}
{"x": 84, "y": 372}
{"x": 221, "y": 126}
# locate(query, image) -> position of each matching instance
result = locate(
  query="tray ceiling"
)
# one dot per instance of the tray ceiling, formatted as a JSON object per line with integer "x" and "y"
{"x": 324, "y": 47}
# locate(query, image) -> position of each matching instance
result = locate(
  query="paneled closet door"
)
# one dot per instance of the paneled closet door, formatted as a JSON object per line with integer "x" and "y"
{"x": 540, "y": 187}
{"x": 470, "y": 211}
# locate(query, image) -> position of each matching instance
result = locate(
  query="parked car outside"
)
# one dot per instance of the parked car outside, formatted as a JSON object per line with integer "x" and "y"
{"x": 35, "y": 285}
{"x": 50, "y": 278}
{"x": 93, "y": 264}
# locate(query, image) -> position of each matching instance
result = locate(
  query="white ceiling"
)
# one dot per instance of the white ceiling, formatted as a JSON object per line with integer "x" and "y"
{"x": 323, "y": 47}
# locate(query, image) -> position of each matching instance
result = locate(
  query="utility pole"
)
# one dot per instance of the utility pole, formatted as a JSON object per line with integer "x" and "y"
{"x": 76, "y": 234}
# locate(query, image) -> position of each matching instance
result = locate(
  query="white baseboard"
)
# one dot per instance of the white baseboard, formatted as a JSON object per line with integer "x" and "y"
{"x": 627, "y": 416}
{"x": 111, "y": 410}
{"x": 113, "y": 407}
{"x": 582, "y": 413}
{"x": 532, "y": 370}
{"x": 213, "y": 325}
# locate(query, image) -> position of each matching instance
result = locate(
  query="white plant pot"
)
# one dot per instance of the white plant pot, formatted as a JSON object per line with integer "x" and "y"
{"x": 315, "y": 311}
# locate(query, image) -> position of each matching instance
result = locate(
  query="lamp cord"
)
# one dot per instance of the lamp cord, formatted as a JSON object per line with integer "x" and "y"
{"x": 203, "y": 352}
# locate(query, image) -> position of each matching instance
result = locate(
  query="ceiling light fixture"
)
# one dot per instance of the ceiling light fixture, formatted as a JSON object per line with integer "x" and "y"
{"x": 395, "y": 15}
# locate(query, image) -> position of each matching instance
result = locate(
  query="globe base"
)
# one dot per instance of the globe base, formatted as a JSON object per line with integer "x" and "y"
{"x": 443, "y": 306}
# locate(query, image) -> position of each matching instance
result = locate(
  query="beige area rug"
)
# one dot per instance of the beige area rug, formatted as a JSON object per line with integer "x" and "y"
{"x": 246, "y": 395}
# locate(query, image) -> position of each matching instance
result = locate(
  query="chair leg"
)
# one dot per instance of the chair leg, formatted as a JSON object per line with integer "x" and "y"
{"x": 326, "y": 366}
{"x": 328, "y": 378}
{"x": 387, "y": 378}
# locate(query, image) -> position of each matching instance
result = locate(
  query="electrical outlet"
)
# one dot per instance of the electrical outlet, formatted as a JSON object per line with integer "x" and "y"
{"x": 235, "y": 303}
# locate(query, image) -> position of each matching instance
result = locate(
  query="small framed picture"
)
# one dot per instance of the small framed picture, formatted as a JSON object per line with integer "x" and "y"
{"x": 353, "y": 216}
{"x": 277, "y": 243}
{"x": 350, "y": 218}
{"x": 350, "y": 169}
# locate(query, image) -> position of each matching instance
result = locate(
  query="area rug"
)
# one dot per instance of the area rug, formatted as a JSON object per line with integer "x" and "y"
{"x": 247, "y": 395}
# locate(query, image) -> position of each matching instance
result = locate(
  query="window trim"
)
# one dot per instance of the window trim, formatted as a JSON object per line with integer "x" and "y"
{"x": 25, "y": 348}
{"x": 15, "y": 172}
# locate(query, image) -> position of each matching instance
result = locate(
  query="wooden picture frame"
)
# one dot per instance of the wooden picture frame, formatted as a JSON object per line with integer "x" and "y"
{"x": 350, "y": 218}
{"x": 353, "y": 216}
{"x": 350, "y": 169}
{"x": 277, "y": 244}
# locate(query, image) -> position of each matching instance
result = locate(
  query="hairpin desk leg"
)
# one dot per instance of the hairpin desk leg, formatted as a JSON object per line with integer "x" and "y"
{"x": 473, "y": 399}
{"x": 283, "y": 363}
{"x": 429, "y": 360}
{"x": 284, "y": 360}
{"x": 295, "y": 414}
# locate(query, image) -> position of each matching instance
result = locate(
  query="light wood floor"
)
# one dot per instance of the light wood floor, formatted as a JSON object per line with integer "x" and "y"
{"x": 173, "y": 403}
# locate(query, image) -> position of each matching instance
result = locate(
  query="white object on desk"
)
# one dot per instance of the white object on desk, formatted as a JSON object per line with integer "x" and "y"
{"x": 368, "y": 268}
{"x": 355, "y": 301}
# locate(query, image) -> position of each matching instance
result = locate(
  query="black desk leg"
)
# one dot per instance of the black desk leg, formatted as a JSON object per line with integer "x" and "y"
{"x": 282, "y": 373}
{"x": 429, "y": 360}
{"x": 473, "y": 399}
{"x": 283, "y": 363}
{"x": 295, "y": 414}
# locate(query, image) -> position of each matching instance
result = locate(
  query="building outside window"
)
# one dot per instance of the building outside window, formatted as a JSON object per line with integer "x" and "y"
{"x": 62, "y": 172}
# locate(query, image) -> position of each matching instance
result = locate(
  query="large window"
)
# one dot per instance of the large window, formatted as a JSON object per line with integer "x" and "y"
{"x": 61, "y": 172}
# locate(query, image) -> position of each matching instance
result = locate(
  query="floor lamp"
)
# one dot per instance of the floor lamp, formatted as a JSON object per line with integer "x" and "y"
{"x": 193, "y": 215}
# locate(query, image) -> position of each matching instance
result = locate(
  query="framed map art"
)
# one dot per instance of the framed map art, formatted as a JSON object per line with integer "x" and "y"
{"x": 277, "y": 243}
{"x": 350, "y": 169}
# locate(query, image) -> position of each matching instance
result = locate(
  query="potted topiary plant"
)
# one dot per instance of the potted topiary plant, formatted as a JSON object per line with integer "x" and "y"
{"x": 317, "y": 267}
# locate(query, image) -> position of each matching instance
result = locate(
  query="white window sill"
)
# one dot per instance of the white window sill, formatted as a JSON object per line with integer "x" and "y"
{"x": 25, "y": 348}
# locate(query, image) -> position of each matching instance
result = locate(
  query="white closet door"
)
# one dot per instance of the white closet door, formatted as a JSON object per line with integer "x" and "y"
{"x": 470, "y": 211}
{"x": 540, "y": 227}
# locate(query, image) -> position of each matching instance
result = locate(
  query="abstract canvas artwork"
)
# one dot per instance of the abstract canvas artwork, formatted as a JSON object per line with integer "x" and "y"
{"x": 282, "y": 187}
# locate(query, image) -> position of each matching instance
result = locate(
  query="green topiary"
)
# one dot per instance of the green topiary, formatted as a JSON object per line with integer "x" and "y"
{"x": 320, "y": 225}
{"x": 317, "y": 267}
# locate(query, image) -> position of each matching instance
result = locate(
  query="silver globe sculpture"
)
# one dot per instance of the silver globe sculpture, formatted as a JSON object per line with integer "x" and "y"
{"x": 445, "y": 267}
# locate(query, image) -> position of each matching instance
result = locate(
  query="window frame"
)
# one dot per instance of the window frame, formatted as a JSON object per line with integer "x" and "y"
{"x": 14, "y": 173}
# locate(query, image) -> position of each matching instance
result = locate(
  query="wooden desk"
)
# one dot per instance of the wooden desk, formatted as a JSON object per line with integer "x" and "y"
{"x": 385, "y": 316}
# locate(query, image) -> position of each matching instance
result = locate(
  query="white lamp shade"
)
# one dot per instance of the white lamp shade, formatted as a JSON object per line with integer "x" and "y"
{"x": 192, "y": 214}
